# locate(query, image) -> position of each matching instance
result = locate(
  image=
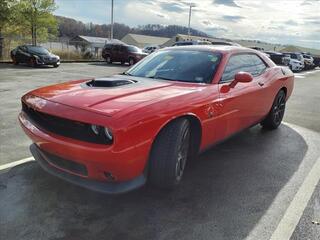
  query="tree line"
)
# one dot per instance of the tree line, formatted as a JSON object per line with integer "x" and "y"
{"x": 69, "y": 27}
{"x": 35, "y": 20}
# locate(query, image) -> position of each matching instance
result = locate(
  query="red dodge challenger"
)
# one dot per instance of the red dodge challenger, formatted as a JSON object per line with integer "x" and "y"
{"x": 113, "y": 134}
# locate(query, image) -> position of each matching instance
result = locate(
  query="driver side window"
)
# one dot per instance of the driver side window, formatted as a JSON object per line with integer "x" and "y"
{"x": 250, "y": 63}
{"x": 22, "y": 48}
{"x": 234, "y": 66}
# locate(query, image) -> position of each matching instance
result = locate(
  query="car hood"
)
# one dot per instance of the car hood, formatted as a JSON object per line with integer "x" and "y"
{"x": 107, "y": 99}
{"x": 295, "y": 61}
{"x": 44, "y": 54}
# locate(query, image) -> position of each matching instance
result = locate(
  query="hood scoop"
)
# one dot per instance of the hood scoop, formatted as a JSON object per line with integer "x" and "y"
{"x": 109, "y": 82}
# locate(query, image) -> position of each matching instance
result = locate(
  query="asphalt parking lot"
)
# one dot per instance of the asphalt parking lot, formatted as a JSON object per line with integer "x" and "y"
{"x": 247, "y": 187}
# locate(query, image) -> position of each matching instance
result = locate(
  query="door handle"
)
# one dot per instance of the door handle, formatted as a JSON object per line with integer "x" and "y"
{"x": 260, "y": 84}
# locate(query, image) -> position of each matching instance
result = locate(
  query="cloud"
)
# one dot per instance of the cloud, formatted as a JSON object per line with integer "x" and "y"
{"x": 312, "y": 20}
{"x": 310, "y": 40}
{"x": 291, "y": 23}
{"x": 216, "y": 29}
{"x": 309, "y": 2}
{"x": 206, "y": 22}
{"x": 229, "y": 3}
{"x": 172, "y": 7}
{"x": 159, "y": 14}
{"x": 315, "y": 22}
{"x": 230, "y": 18}
{"x": 280, "y": 27}
{"x": 210, "y": 26}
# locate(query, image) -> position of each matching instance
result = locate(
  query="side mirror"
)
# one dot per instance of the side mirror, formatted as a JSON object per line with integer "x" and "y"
{"x": 242, "y": 77}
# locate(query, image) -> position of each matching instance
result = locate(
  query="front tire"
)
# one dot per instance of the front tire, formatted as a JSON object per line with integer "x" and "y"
{"x": 275, "y": 116}
{"x": 291, "y": 68}
{"x": 169, "y": 154}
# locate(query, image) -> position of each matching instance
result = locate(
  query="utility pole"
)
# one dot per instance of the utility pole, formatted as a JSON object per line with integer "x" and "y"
{"x": 191, "y": 6}
{"x": 111, "y": 31}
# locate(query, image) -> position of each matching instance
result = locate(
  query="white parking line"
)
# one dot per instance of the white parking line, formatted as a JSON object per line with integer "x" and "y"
{"x": 306, "y": 73}
{"x": 284, "y": 213}
{"x": 15, "y": 163}
{"x": 296, "y": 208}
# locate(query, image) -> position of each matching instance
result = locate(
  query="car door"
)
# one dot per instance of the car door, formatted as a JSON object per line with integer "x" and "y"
{"x": 263, "y": 77}
{"x": 122, "y": 54}
{"x": 240, "y": 106}
{"x": 115, "y": 53}
{"x": 22, "y": 54}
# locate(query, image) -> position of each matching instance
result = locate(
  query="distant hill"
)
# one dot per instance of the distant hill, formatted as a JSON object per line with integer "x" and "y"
{"x": 69, "y": 27}
{"x": 277, "y": 47}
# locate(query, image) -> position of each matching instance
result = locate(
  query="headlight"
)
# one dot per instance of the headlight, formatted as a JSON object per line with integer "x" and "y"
{"x": 102, "y": 132}
{"x": 95, "y": 129}
{"x": 108, "y": 133}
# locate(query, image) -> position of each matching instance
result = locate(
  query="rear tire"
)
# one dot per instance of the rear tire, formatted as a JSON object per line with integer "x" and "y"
{"x": 108, "y": 59}
{"x": 169, "y": 154}
{"x": 32, "y": 62}
{"x": 14, "y": 61}
{"x": 131, "y": 61}
{"x": 275, "y": 116}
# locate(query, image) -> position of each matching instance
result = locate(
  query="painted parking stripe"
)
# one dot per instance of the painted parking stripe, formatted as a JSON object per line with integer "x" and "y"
{"x": 15, "y": 163}
{"x": 296, "y": 208}
{"x": 282, "y": 216}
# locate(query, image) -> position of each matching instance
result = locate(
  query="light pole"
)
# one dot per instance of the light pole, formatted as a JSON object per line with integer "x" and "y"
{"x": 111, "y": 30}
{"x": 191, "y": 6}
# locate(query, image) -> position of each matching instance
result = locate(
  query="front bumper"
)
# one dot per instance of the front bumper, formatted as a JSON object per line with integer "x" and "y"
{"x": 99, "y": 186}
{"x": 48, "y": 62}
{"x": 296, "y": 67}
{"x": 122, "y": 162}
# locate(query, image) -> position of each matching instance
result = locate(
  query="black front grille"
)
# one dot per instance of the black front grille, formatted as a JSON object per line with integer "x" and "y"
{"x": 65, "y": 164}
{"x": 64, "y": 127}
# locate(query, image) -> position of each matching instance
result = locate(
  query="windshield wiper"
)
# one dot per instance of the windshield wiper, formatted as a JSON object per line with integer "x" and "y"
{"x": 127, "y": 74}
{"x": 164, "y": 78}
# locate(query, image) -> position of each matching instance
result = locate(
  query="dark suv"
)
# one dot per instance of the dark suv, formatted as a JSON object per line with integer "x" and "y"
{"x": 122, "y": 53}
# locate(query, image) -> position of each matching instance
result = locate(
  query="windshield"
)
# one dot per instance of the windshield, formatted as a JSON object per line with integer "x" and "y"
{"x": 40, "y": 50}
{"x": 183, "y": 43}
{"x": 133, "y": 49}
{"x": 178, "y": 65}
{"x": 299, "y": 56}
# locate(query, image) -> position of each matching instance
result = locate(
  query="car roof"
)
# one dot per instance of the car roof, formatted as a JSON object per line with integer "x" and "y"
{"x": 272, "y": 52}
{"x": 29, "y": 45}
{"x": 214, "y": 48}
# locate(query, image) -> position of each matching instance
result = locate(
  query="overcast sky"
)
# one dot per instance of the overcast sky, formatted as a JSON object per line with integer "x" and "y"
{"x": 277, "y": 21}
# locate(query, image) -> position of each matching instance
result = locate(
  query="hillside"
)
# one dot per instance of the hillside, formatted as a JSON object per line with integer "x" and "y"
{"x": 69, "y": 27}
